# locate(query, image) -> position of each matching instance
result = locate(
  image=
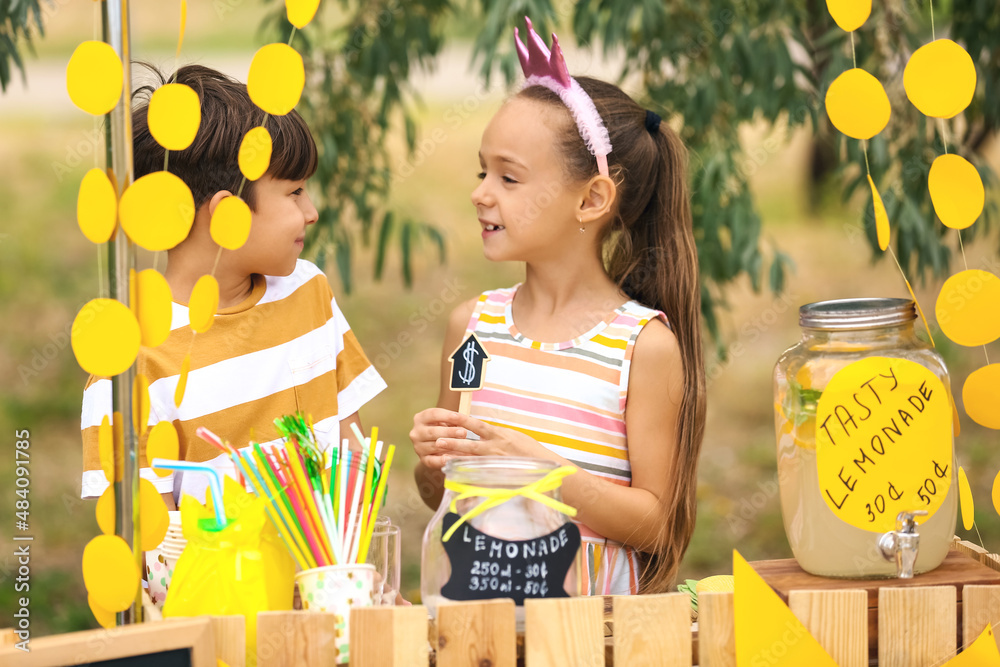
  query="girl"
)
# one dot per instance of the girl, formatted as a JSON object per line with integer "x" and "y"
{"x": 596, "y": 357}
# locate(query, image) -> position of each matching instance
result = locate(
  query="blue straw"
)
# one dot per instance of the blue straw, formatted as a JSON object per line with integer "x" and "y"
{"x": 214, "y": 482}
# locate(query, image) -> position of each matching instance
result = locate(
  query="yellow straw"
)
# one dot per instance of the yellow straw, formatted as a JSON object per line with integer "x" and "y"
{"x": 379, "y": 495}
{"x": 366, "y": 498}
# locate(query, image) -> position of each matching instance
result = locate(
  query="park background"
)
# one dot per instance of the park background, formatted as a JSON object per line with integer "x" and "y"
{"x": 48, "y": 270}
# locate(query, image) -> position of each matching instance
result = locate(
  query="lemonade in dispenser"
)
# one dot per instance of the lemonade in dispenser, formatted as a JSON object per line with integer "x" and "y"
{"x": 864, "y": 419}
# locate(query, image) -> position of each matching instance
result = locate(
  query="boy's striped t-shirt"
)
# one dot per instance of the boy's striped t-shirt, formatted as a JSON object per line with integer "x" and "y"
{"x": 286, "y": 348}
{"x": 571, "y": 398}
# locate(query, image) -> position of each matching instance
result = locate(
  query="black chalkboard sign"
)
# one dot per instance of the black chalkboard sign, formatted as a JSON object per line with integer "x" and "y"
{"x": 484, "y": 567}
{"x": 467, "y": 364}
{"x": 176, "y": 658}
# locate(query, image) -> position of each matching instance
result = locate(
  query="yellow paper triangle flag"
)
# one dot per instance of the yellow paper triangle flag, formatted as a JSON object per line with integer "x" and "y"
{"x": 767, "y": 632}
{"x": 982, "y": 653}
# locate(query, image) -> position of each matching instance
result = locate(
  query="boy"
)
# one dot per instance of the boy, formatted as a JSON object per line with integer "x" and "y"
{"x": 279, "y": 344}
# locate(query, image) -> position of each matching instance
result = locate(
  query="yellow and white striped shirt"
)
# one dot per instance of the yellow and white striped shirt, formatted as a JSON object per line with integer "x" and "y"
{"x": 286, "y": 348}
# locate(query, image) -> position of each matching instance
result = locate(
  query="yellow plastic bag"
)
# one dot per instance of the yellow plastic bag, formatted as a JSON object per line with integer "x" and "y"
{"x": 242, "y": 569}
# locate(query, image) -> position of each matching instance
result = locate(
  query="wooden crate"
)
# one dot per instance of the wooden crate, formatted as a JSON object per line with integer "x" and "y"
{"x": 958, "y": 570}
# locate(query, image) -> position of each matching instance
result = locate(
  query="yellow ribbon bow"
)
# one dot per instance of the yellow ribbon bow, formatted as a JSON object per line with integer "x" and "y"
{"x": 496, "y": 497}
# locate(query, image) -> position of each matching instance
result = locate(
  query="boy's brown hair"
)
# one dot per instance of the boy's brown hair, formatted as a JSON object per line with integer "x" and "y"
{"x": 210, "y": 163}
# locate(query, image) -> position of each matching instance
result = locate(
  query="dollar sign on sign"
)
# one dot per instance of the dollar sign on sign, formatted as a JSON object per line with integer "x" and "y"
{"x": 468, "y": 373}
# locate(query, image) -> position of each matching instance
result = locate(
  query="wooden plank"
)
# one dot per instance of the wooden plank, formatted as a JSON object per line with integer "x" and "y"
{"x": 76, "y": 648}
{"x": 653, "y": 630}
{"x": 980, "y": 607}
{"x": 838, "y": 620}
{"x": 716, "y": 633}
{"x": 389, "y": 637}
{"x": 230, "y": 639}
{"x": 957, "y": 569}
{"x": 476, "y": 633}
{"x": 972, "y": 549}
{"x": 296, "y": 639}
{"x": 564, "y": 631}
{"x": 917, "y": 626}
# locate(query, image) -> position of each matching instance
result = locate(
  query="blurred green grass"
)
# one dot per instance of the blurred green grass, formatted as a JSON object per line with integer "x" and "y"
{"x": 49, "y": 271}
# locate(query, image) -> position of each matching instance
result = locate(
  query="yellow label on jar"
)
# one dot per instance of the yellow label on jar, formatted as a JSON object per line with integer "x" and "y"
{"x": 883, "y": 442}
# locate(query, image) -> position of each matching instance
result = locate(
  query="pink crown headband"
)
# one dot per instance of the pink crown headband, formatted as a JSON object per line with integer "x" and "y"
{"x": 542, "y": 68}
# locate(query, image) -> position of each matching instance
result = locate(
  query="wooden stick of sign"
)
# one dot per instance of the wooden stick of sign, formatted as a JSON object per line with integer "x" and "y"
{"x": 468, "y": 368}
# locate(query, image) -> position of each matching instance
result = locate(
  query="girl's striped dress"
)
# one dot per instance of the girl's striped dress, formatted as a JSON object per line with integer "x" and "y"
{"x": 570, "y": 397}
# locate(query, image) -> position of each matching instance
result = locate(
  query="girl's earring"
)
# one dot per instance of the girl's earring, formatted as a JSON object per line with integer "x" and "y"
{"x": 582, "y": 228}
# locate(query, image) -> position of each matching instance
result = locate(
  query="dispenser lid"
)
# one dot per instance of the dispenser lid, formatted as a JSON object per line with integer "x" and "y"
{"x": 862, "y": 313}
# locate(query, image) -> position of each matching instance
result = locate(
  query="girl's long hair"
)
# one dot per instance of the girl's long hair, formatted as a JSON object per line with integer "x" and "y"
{"x": 650, "y": 253}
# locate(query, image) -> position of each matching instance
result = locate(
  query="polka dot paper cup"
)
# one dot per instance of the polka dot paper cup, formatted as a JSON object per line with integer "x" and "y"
{"x": 159, "y": 570}
{"x": 335, "y": 589}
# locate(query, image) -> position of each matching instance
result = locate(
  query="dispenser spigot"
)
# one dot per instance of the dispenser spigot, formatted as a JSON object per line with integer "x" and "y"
{"x": 902, "y": 544}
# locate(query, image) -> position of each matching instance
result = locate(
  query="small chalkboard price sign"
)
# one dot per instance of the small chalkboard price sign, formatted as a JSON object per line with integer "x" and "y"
{"x": 180, "y": 642}
{"x": 468, "y": 368}
{"x": 484, "y": 567}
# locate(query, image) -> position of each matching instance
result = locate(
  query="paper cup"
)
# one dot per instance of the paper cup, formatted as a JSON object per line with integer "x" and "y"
{"x": 335, "y": 589}
{"x": 159, "y": 571}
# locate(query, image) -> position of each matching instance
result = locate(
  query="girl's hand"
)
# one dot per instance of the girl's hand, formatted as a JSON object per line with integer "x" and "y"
{"x": 493, "y": 440}
{"x": 429, "y": 428}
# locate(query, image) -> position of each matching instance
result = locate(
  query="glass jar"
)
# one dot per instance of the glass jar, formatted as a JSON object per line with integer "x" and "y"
{"x": 545, "y": 539}
{"x": 836, "y": 334}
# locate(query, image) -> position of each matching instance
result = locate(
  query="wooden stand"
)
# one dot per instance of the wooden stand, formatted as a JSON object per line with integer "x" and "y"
{"x": 958, "y": 569}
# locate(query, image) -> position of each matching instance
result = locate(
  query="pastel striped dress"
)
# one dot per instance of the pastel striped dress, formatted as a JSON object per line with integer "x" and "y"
{"x": 571, "y": 398}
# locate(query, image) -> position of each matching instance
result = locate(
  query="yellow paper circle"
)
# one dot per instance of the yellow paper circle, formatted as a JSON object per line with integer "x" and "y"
{"x": 301, "y": 12}
{"x": 881, "y": 217}
{"x": 97, "y": 206}
{"x": 255, "y": 153}
{"x": 153, "y": 516}
{"x": 106, "y": 511}
{"x": 965, "y": 500}
{"x": 110, "y": 573}
{"x": 154, "y": 306}
{"x": 230, "y": 226}
{"x": 104, "y": 617}
{"x": 182, "y": 380}
{"x": 996, "y": 493}
{"x": 163, "y": 443}
{"x": 957, "y": 191}
{"x": 94, "y": 78}
{"x": 857, "y": 104}
{"x": 276, "y": 78}
{"x": 981, "y": 396}
{"x": 174, "y": 116}
{"x": 968, "y": 307}
{"x": 883, "y": 442}
{"x": 140, "y": 403}
{"x": 849, "y": 14}
{"x": 157, "y": 211}
{"x": 940, "y": 79}
{"x": 204, "y": 303}
{"x": 106, "y": 449}
{"x": 105, "y": 337}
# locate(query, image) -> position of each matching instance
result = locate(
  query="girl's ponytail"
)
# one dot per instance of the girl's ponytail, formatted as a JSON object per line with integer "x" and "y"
{"x": 650, "y": 252}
